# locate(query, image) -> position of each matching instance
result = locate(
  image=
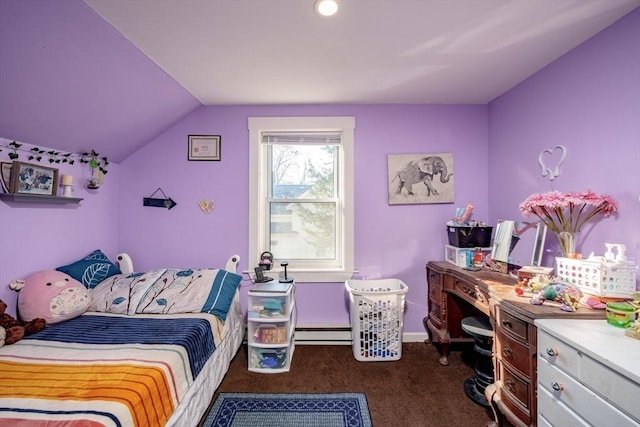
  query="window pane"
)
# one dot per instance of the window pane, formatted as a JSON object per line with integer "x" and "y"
{"x": 303, "y": 230}
{"x": 303, "y": 171}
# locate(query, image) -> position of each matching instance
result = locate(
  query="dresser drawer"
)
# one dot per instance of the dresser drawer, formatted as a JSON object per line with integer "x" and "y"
{"x": 559, "y": 354}
{"x": 512, "y": 324}
{"x": 620, "y": 390}
{"x": 516, "y": 388}
{"x": 513, "y": 352}
{"x": 581, "y": 400}
{"x": 552, "y": 412}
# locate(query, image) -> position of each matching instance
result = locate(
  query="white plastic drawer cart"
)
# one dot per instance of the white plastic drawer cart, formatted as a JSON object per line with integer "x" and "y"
{"x": 271, "y": 322}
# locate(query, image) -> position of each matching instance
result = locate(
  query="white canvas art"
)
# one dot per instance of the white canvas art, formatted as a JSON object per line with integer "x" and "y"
{"x": 420, "y": 178}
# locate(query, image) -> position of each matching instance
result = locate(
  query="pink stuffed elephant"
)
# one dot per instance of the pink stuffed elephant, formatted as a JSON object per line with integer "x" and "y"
{"x": 50, "y": 295}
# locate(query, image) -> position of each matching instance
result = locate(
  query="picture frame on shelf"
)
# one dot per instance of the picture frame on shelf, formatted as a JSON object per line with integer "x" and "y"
{"x": 204, "y": 147}
{"x": 5, "y": 176}
{"x": 27, "y": 178}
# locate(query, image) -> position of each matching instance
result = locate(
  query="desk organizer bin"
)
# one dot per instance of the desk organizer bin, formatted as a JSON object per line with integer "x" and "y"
{"x": 377, "y": 316}
{"x": 597, "y": 278}
{"x": 462, "y": 257}
{"x": 469, "y": 237}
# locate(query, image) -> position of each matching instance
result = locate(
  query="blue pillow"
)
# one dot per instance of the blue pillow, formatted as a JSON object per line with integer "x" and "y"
{"x": 221, "y": 294}
{"x": 92, "y": 269}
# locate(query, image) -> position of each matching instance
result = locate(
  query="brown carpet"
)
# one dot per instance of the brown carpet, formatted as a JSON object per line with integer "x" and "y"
{"x": 414, "y": 391}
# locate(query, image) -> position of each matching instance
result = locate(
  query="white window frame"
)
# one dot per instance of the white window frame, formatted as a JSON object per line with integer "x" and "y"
{"x": 258, "y": 176}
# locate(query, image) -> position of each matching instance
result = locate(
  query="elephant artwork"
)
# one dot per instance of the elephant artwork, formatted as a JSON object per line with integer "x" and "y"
{"x": 418, "y": 178}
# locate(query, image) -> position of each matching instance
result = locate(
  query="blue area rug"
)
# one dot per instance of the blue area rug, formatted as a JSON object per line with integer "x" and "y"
{"x": 289, "y": 410}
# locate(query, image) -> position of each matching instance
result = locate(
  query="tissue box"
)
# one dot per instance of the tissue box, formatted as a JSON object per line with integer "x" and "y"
{"x": 469, "y": 237}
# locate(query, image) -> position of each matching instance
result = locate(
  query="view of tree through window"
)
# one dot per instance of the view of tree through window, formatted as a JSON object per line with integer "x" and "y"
{"x": 303, "y": 200}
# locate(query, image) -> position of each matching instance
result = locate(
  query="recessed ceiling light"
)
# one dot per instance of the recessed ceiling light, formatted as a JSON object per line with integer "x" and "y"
{"x": 326, "y": 7}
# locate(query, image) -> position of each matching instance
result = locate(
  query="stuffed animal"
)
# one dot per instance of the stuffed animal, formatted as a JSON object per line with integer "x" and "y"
{"x": 14, "y": 329}
{"x": 567, "y": 295}
{"x": 51, "y": 295}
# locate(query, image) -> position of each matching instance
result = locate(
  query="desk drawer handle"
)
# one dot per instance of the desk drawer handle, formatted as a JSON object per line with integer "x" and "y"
{"x": 507, "y": 352}
{"x": 469, "y": 291}
{"x": 557, "y": 386}
{"x": 507, "y": 324}
{"x": 511, "y": 385}
{"x": 552, "y": 352}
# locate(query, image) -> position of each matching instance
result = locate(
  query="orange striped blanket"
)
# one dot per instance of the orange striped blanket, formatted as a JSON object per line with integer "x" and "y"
{"x": 104, "y": 370}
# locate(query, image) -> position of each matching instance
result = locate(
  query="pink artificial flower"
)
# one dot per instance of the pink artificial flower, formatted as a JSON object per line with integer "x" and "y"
{"x": 567, "y": 211}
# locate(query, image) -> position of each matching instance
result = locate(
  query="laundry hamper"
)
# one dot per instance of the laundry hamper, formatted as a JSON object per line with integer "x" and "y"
{"x": 377, "y": 312}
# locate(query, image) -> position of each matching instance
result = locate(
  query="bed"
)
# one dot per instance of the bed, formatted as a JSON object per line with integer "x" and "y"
{"x": 141, "y": 356}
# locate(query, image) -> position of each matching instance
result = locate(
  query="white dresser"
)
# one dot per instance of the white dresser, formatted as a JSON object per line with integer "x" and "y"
{"x": 588, "y": 374}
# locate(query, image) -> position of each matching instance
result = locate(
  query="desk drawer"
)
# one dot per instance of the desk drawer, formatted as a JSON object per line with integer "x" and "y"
{"x": 472, "y": 294}
{"x": 516, "y": 388}
{"x": 435, "y": 284}
{"x": 512, "y": 324}
{"x": 435, "y": 315}
{"x": 513, "y": 352}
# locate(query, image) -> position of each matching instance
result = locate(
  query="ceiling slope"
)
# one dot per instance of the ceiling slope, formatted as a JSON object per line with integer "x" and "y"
{"x": 112, "y": 75}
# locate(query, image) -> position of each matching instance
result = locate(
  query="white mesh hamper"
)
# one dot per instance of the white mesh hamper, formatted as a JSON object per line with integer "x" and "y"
{"x": 377, "y": 313}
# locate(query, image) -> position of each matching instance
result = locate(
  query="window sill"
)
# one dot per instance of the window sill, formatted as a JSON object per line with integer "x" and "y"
{"x": 317, "y": 276}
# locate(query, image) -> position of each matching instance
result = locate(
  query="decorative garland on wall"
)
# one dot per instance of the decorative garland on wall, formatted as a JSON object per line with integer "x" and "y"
{"x": 92, "y": 158}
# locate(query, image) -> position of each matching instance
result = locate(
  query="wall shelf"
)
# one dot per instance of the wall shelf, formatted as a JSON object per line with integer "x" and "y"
{"x": 37, "y": 198}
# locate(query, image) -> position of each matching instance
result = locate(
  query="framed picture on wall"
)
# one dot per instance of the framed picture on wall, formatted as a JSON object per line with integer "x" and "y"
{"x": 420, "y": 178}
{"x": 5, "y": 175}
{"x": 27, "y": 178}
{"x": 204, "y": 147}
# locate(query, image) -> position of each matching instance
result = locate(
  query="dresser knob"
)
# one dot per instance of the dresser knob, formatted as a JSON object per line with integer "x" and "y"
{"x": 507, "y": 352}
{"x": 556, "y": 386}
{"x": 506, "y": 323}
{"x": 511, "y": 385}
{"x": 552, "y": 352}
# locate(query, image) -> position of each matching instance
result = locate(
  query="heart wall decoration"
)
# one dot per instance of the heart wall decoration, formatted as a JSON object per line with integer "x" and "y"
{"x": 206, "y": 205}
{"x": 548, "y": 153}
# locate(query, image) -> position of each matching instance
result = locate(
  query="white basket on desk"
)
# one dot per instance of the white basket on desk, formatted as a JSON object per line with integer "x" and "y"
{"x": 598, "y": 278}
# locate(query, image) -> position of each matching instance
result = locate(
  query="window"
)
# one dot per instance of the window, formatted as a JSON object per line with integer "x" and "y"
{"x": 301, "y": 195}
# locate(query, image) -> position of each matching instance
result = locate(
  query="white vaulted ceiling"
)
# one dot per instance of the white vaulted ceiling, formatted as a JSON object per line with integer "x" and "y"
{"x": 373, "y": 51}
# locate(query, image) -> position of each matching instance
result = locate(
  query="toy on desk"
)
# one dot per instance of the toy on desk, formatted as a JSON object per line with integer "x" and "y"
{"x": 567, "y": 295}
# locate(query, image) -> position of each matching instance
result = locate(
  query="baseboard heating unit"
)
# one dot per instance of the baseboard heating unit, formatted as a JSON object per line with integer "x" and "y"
{"x": 323, "y": 334}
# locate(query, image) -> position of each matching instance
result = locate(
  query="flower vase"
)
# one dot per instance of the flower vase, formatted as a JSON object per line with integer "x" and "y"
{"x": 568, "y": 240}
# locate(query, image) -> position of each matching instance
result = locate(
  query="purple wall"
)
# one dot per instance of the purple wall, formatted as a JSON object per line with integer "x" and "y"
{"x": 69, "y": 80}
{"x": 390, "y": 241}
{"x": 37, "y": 236}
{"x": 588, "y": 101}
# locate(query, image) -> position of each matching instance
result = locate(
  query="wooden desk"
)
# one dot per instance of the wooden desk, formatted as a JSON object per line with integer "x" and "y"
{"x": 455, "y": 293}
